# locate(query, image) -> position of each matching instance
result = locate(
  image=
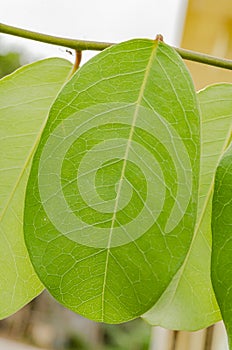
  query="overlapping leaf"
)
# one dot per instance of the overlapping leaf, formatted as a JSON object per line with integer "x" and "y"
{"x": 112, "y": 195}
{"x": 189, "y": 302}
{"x": 222, "y": 238}
{"x": 25, "y": 98}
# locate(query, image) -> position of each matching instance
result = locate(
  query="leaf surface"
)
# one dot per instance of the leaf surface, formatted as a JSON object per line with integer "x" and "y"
{"x": 189, "y": 302}
{"x": 111, "y": 199}
{"x": 25, "y": 98}
{"x": 222, "y": 238}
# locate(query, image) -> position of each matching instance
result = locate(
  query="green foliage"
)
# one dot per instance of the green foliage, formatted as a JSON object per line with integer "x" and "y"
{"x": 222, "y": 229}
{"x": 189, "y": 302}
{"x": 25, "y": 98}
{"x": 8, "y": 63}
{"x": 119, "y": 200}
{"x": 127, "y": 336}
{"x": 110, "y": 206}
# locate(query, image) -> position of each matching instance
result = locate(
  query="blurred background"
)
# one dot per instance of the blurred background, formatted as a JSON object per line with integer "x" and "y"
{"x": 200, "y": 25}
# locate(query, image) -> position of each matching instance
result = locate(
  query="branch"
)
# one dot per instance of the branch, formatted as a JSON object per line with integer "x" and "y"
{"x": 81, "y": 45}
{"x": 204, "y": 58}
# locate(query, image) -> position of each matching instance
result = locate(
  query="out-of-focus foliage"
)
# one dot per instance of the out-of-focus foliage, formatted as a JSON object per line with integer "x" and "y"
{"x": 37, "y": 83}
{"x": 9, "y": 62}
{"x": 134, "y": 335}
{"x": 46, "y": 324}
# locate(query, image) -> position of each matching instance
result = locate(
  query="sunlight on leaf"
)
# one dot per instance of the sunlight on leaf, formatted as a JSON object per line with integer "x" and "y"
{"x": 189, "y": 302}
{"x": 25, "y": 98}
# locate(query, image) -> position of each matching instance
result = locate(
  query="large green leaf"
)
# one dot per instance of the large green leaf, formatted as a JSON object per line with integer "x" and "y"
{"x": 222, "y": 238}
{"x": 189, "y": 302}
{"x": 25, "y": 98}
{"x": 112, "y": 195}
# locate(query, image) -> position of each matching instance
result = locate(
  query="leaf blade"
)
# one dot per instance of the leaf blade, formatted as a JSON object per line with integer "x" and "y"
{"x": 106, "y": 95}
{"x": 21, "y": 98}
{"x": 189, "y": 302}
{"x": 221, "y": 231}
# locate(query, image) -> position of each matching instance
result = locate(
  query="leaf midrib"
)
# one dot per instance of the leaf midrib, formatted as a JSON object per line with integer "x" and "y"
{"x": 137, "y": 104}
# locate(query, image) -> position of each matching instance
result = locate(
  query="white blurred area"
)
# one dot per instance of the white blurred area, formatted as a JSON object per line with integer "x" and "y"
{"x": 102, "y": 20}
{"x": 212, "y": 338}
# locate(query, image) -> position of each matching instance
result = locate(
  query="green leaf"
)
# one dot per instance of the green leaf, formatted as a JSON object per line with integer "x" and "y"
{"x": 25, "y": 98}
{"x": 222, "y": 238}
{"x": 112, "y": 195}
{"x": 189, "y": 302}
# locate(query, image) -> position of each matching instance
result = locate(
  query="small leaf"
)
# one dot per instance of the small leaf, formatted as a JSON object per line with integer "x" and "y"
{"x": 222, "y": 238}
{"x": 25, "y": 98}
{"x": 189, "y": 302}
{"x": 111, "y": 198}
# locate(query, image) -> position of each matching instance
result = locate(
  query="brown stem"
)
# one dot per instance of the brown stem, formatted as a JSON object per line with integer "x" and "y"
{"x": 209, "y": 338}
{"x": 174, "y": 340}
{"x": 78, "y": 55}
